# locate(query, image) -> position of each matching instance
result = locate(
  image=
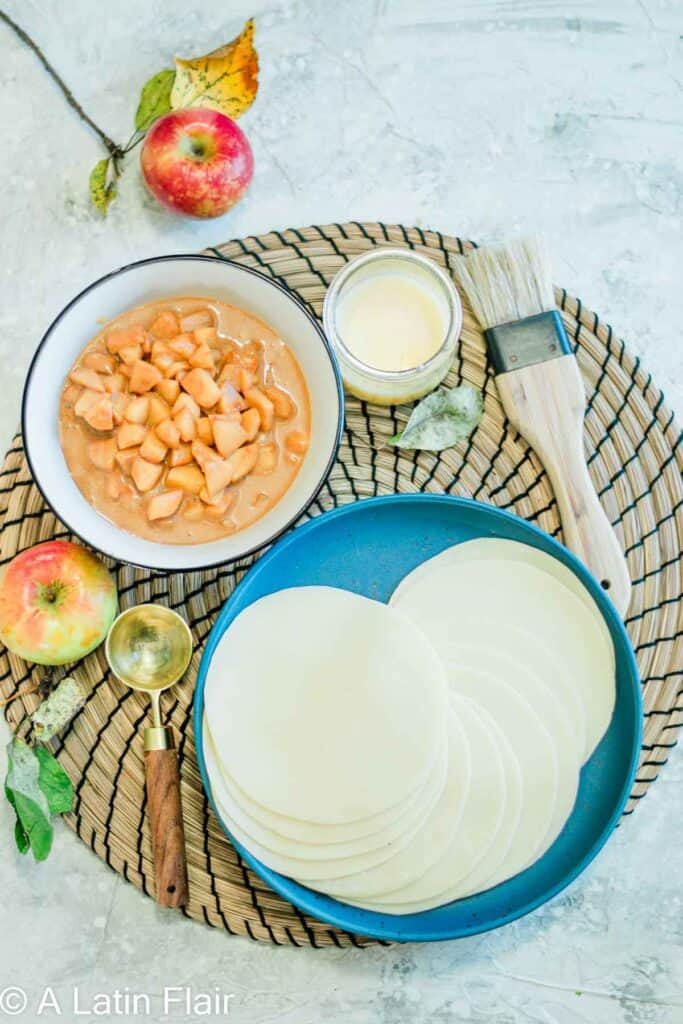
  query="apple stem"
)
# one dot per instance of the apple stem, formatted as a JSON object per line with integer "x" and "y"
{"x": 34, "y": 688}
{"x": 115, "y": 151}
{"x": 51, "y": 592}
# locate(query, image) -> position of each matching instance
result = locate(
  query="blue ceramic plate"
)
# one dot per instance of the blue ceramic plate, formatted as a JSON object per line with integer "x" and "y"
{"x": 367, "y": 547}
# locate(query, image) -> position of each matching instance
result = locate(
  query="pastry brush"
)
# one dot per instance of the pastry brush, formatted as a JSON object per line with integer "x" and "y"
{"x": 539, "y": 383}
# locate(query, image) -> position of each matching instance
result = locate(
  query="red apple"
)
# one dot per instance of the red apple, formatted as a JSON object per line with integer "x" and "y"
{"x": 197, "y": 162}
{"x": 57, "y": 602}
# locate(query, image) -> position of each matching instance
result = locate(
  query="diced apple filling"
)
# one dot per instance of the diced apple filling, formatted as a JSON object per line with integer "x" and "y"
{"x": 282, "y": 403}
{"x": 202, "y": 358}
{"x": 166, "y": 325}
{"x": 85, "y": 400}
{"x": 204, "y": 431}
{"x": 153, "y": 449}
{"x": 297, "y": 442}
{"x": 186, "y": 424}
{"x": 114, "y": 383}
{"x": 125, "y": 337}
{"x": 231, "y": 400}
{"x": 119, "y": 405}
{"x": 130, "y": 354}
{"x": 103, "y": 454}
{"x": 100, "y": 362}
{"x": 217, "y": 475}
{"x": 184, "y": 401}
{"x": 159, "y": 410}
{"x": 146, "y": 475}
{"x": 259, "y": 401}
{"x": 188, "y": 413}
{"x": 177, "y": 370}
{"x": 169, "y": 390}
{"x": 201, "y": 386}
{"x": 130, "y": 435}
{"x": 182, "y": 346}
{"x": 266, "y": 459}
{"x": 99, "y": 415}
{"x": 203, "y": 455}
{"x": 126, "y": 458}
{"x": 163, "y": 505}
{"x": 228, "y": 435}
{"x": 251, "y": 423}
{"x": 144, "y": 377}
{"x": 87, "y": 379}
{"x": 168, "y": 432}
{"x": 195, "y": 321}
{"x": 219, "y": 505}
{"x": 243, "y": 461}
{"x": 206, "y": 336}
{"x": 186, "y": 478}
{"x": 180, "y": 456}
{"x": 137, "y": 410}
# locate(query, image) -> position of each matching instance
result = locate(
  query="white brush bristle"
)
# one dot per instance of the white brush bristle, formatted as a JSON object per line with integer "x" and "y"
{"x": 508, "y": 283}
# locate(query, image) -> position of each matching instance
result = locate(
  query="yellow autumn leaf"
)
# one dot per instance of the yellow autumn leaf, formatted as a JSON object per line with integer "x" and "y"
{"x": 225, "y": 80}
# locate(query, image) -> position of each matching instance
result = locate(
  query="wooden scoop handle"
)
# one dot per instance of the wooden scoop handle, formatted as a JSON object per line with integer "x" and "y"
{"x": 168, "y": 833}
{"x": 546, "y": 403}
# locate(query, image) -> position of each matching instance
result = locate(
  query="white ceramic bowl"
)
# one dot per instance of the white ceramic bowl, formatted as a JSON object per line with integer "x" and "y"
{"x": 143, "y": 282}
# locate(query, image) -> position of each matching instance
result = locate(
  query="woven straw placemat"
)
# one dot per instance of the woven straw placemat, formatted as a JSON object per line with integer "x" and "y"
{"x": 635, "y": 457}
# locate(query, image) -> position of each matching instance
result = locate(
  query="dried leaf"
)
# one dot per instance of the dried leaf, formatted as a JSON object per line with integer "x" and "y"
{"x": 442, "y": 419}
{"x": 155, "y": 99}
{"x": 102, "y": 192}
{"x": 225, "y": 80}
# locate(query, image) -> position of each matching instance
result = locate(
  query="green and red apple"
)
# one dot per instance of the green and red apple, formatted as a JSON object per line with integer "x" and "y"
{"x": 57, "y": 602}
{"x": 197, "y": 162}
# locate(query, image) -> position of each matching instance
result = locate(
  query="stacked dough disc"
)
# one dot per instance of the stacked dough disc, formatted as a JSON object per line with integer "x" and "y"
{"x": 402, "y": 756}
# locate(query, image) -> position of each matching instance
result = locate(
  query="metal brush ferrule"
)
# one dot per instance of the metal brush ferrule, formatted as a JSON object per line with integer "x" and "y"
{"x": 535, "y": 339}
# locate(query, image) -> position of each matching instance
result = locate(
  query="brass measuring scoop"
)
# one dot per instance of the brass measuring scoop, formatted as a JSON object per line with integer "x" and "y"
{"x": 149, "y": 648}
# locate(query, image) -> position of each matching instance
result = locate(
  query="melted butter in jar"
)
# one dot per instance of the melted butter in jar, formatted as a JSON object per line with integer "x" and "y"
{"x": 393, "y": 319}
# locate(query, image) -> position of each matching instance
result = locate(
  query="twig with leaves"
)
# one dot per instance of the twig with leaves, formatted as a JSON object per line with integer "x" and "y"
{"x": 225, "y": 79}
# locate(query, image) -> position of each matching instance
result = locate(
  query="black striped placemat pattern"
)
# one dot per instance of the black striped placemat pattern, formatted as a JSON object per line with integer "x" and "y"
{"x": 634, "y": 451}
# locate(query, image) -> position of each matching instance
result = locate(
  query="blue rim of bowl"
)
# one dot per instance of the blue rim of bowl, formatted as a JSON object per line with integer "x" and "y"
{"x": 316, "y": 904}
{"x": 194, "y": 257}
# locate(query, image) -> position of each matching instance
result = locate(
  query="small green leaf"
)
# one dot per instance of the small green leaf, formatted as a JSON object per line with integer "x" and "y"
{"x": 101, "y": 191}
{"x": 22, "y": 787}
{"x": 21, "y": 838}
{"x": 442, "y": 419}
{"x": 54, "y": 782}
{"x": 155, "y": 99}
{"x": 36, "y": 826}
{"x": 23, "y": 775}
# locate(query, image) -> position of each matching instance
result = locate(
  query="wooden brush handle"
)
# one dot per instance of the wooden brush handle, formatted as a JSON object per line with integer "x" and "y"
{"x": 546, "y": 404}
{"x": 168, "y": 834}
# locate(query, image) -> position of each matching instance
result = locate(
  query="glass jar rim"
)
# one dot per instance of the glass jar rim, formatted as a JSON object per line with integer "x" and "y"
{"x": 341, "y": 279}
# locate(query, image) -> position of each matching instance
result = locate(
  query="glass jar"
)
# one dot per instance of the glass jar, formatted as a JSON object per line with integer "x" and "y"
{"x": 391, "y": 387}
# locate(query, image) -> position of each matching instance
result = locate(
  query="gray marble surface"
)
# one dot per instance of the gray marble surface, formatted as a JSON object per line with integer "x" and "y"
{"x": 479, "y": 117}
